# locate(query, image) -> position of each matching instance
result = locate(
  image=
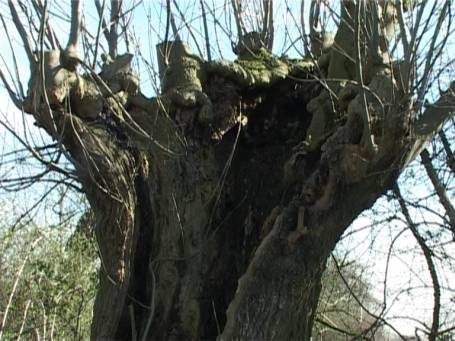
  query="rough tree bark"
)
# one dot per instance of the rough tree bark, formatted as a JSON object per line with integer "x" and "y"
{"x": 218, "y": 202}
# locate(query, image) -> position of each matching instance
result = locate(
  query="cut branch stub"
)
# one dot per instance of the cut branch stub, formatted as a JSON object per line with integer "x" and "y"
{"x": 182, "y": 74}
{"x": 118, "y": 74}
{"x": 47, "y": 94}
{"x": 178, "y": 66}
{"x": 249, "y": 45}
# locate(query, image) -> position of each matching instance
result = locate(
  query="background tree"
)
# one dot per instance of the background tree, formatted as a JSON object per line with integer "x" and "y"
{"x": 218, "y": 201}
{"x": 47, "y": 284}
{"x": 345, "y": 304}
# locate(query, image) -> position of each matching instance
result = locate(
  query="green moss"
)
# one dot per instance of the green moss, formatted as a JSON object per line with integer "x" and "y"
{"x": 262, "y": 69}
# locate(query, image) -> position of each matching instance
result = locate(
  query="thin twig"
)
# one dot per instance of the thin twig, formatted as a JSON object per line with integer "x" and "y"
{"x": 14, "y": 288}
{"x": 190, "y": 30}
{"x": 314, "y": 17}
{"x": 24, "y": 318}
{"x": 17, "y": 102}
{"x": 359, "y": 302}
{"x": 403, "y": 31}
{"x": 448, "y": 150}
{"x": 50, "y": 34}
{"x": 429, "y": 260}
{"x": 304, "y": 36}
{"x": 429, "y": 57}
{"x": 100, "y": 9}
{"x": 22, "y": 32}
{"x": 16, "y": 68}
{"x": 410, "y": 56}
{"x": 236, "y": 6}
{"x": 367, "y": 138}
{"x": 439, "y": 188}
{"x": 101, "y": 26}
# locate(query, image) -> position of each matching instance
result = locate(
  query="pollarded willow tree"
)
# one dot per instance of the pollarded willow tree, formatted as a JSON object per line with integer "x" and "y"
{"x": 218, "y": 201}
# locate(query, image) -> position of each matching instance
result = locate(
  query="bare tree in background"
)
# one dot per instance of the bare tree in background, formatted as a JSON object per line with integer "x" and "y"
{"x": 218, "y": 201}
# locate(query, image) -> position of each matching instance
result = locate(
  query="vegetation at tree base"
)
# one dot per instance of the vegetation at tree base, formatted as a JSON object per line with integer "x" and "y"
{"x": 339, "y": 314}
{"x": 218, "y": 200}
{"x": 47, "y": 283}
{"x": 55, "y": 290}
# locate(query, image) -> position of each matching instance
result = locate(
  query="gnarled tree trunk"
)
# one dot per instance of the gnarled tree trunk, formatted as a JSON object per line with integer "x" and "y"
{"x": 218, "y": 202}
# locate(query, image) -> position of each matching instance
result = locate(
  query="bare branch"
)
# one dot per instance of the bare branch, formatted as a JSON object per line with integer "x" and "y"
{"x": 306, "y": 43}
{"x": 172, "y": 20}
{"x": 435, "y": 115}
{"x": 17, "y": 102}
{"x": 315, "y": 9}
{"x": 22, "y": 32}
{"x": 429, "y": 58}
{"x": 116, "y": 7}
{"x": 50, "y": 34}
{"x": 100, "y": 10}
{"x": 188, "y": 27}
{"x": 51, "y": 165}
{"x": 217, "y": 24}
{"x": 168, "y": 20}
{"x": 14, "y": 288}
{"x": 439, "y": 188}
{"x": 206, "y": 31}
{"x": 70, "y": 56}
{"x": 367, "y": 138}
{"x": 124, "y": 30}
{"x": 403, "y": 31}
{"x": 18, "y": 86}
{"x": 331, "y": 326}
{"x": 75, "y": 32}
{"x": 449, "y": 154}
{"x": 429, "y": 260}
{"x": 431, "y": 121}
{"x": 101, "y": 25}
{"x": 236, "y": 6}
{"x": 410, "y": 54}
{"x": 267, "y": 24}
{"x": 24, "y": 318}
{"x": 378, "y": 317}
